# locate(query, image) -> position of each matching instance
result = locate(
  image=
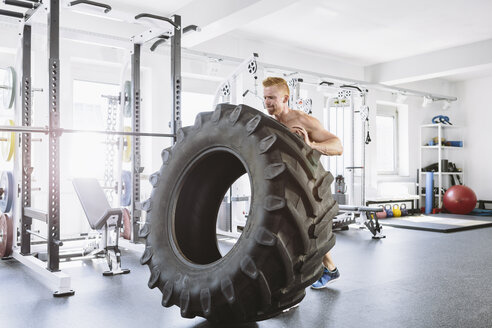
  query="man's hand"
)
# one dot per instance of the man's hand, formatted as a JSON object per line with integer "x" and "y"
{"x": 299, "y": 130}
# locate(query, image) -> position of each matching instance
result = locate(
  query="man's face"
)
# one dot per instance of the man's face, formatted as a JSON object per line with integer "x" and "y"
{"x": 274, "y": 99}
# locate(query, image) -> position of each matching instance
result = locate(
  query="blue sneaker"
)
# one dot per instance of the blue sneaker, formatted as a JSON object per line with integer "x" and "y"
{"x": 327, "y": 278}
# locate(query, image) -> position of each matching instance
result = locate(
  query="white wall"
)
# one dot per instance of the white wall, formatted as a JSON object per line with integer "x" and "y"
{"x": 102, "y": 63}
{"x": 417, "y": 115}
{"x": 282, "y": 55}
{"x": 474, "y": 98}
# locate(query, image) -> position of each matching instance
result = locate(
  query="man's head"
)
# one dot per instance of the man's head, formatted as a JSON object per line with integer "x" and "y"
{"x": 275, "y": 94}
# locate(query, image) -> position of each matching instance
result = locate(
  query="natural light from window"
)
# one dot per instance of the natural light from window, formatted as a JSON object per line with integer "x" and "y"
{"x": 89, "y": 113}
{"x": 386, "y": 144}
{"x": 194, "y": 103}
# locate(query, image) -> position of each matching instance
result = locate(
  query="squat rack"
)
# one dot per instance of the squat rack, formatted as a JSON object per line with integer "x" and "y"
{"x": 52, "y": 217}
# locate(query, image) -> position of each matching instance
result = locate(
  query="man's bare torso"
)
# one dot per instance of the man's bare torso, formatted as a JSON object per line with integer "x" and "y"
{"x": 294, "y": 119}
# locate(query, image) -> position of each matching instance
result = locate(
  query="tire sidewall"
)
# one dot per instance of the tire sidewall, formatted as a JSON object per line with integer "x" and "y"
{"x": 210, "y": 137}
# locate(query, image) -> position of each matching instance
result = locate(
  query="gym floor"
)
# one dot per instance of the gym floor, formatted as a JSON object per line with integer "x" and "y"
{"x": 410, "y": 279}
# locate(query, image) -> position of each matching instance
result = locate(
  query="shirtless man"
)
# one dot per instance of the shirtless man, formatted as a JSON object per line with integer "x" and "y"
{"x": 276, "y": 96}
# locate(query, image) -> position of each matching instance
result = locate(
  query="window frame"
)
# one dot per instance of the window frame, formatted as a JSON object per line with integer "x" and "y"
{"x": 393, "y": 113}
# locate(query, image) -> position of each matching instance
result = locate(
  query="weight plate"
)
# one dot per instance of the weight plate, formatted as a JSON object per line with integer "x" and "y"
{"x": 6, "y": 235}
{"x": 127, "y": 147}
{"x": 127, "y": 108}
{"x": 7, "y": 142}
{"x": 127, "y": 233}
{"x": 8, "y": 88}
{"x": 7, "y": 185}
{"x": 126, "y": 192}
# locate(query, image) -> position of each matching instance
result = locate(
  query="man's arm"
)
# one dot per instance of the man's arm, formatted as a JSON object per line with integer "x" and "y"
{"x": 318, "y": 137}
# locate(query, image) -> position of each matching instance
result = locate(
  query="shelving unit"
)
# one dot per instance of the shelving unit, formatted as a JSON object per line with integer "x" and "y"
{"x": 450, "y": 153}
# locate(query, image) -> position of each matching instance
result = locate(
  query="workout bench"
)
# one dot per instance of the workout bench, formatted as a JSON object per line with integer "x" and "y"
{"x": 102, "y": 218}
{"x": 362, "y": 215}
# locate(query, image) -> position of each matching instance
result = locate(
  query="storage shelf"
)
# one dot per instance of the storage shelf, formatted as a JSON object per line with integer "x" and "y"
{"x": 442, "y": 147}
{"x": 444, "y": 173}
{"x": 439, "y": 124}
{"x": 440, "y": 131}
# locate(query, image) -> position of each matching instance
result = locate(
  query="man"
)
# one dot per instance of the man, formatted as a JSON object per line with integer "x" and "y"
{"x": 276, "y": 96}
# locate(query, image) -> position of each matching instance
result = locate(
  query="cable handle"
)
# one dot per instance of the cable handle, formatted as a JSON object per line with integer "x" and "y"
{"x": 162, "y": 18}
{"x": 107, "y": 8}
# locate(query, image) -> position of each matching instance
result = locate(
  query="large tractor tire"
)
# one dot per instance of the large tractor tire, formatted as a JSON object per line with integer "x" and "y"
{"x": 289, "y": 227}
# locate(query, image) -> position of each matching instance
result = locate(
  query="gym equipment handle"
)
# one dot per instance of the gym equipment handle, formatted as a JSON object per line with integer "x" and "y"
{"x": 191, "y": 28}
{"x": 21, "y": 4}
{"x": 162, "y": 39}
{"x": 107, "y": 8}
{"x": 56, "y": 242}
{"x": 348, "y": 86}
{"x": 11, "y": 13}
{"x": 170, "y": 21}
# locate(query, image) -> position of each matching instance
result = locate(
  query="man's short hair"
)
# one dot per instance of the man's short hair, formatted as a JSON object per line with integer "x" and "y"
{"x": 279, "y": 82}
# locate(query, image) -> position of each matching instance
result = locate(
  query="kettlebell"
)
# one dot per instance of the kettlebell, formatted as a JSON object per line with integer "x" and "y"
{"x": 404, "y": 211}
{"x": 396, "y": 211}
{"x": 381, "y": 215}
{"x": 389, "y": 212}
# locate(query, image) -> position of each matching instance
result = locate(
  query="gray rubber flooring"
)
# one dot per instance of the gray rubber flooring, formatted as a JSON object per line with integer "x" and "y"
{"x": 410, "y": 279}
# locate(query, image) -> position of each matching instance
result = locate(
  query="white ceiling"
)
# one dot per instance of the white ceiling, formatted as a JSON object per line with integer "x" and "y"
{"x": 369, "y": 32}
{"x": 360, "y": 32}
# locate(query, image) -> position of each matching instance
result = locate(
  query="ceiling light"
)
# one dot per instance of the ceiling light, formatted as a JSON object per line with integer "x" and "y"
{"x": 427, "y": 101}
{"x": 401, "y": 97}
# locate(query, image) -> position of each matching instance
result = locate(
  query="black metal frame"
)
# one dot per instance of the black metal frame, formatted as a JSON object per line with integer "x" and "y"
{"x": 135, "y": 211}
{"x": 26, "y": 221}
{"x": 54, "y": 123}
{"x": 54, "y": 137}
{"x": 54, "y": 131}
{"x": 176, "y": 76}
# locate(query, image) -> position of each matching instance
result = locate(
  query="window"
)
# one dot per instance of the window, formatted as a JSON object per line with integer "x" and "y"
{"x": 89, "y": 113}
{"x": 194, "y": 103}
{"x": 387, "y": 139}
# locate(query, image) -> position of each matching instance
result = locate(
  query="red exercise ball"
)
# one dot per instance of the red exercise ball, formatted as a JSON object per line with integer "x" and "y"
{"x": 459, "y": 200}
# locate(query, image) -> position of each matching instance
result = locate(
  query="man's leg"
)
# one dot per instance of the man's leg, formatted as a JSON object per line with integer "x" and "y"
{"x": 328, "y": 262}
{"x": 330, "y": 273}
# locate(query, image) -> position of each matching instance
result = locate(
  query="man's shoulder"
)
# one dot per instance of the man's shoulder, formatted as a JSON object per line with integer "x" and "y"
{"x": 304, "y": 118}
{"x": 297, "y": 114}
{"x": 298, "y": 118}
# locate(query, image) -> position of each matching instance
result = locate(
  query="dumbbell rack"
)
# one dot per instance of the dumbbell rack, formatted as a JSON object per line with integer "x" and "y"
{"x": 53, "y": 275}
